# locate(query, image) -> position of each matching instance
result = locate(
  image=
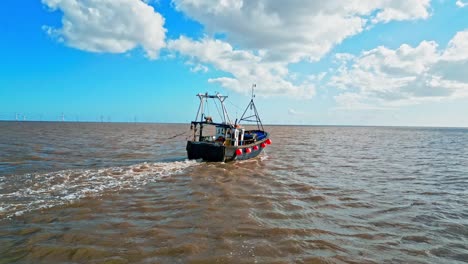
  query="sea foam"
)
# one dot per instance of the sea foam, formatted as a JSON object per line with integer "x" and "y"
{"x": 33, "y": 191}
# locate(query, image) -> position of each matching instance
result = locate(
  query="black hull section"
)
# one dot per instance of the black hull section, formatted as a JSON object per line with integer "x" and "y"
{"x": 205, "y": 151}
{"x": 214, "y": 152}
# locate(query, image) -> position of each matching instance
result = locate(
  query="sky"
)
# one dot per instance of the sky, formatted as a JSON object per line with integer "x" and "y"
{"x": 355, "y": 62}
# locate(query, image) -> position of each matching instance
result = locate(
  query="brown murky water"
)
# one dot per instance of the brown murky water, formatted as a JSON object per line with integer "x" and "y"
{"x": 124, "y": 193}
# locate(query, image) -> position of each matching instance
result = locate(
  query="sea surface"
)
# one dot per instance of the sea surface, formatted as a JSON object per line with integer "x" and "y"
{"x": 125, "y": 193}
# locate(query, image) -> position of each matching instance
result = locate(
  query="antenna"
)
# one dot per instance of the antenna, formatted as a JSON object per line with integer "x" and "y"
{"x": 253, "y": 95}
{"x": 253, "y": 86}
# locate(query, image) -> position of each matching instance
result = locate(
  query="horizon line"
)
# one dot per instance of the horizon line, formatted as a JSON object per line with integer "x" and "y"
{"x": 183, "y": 123}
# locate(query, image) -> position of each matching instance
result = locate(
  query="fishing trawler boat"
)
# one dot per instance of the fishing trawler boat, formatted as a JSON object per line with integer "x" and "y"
{"x": 225, "y": 141}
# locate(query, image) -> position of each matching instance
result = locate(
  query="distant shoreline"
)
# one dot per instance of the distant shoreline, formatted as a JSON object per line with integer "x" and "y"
{"x": 179, "y": 123}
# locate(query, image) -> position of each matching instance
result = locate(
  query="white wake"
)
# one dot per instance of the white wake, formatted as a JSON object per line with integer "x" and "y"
{"x": 23, "y": 193}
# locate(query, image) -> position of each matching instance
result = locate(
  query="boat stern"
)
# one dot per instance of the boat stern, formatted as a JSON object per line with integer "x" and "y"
{"x": 205, "y": 151}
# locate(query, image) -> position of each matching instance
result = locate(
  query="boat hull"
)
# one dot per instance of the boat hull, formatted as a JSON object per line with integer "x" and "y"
{"x": 218, "y": 153}
{"x": 205, "y": 151}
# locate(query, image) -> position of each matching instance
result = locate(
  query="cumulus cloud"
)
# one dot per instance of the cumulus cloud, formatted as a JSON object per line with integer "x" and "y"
{"x": 383, "y": 77}
{"x": 294, "y": 112}
{"x": 457, "y": 48}
{"x": 261, "y": 38}
{"x": 199, "y": 68}
{"x": 295, "y": 30}
{"x": 243, "y": 68}
{"x": 114, "y": 26}
{"x": 461, "y": 3}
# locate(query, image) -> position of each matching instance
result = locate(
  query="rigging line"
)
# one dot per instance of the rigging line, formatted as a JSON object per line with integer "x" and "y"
{"x": 178, "y": 135}
{"x": 207, "y": 108}
{"x": 219, "y": 113}
{"x": 234, "y": 105}
{"x": 238, "y": 108}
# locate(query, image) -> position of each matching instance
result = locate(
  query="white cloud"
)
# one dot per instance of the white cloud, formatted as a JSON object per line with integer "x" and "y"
{"x": 461, "y": 3}
{"x": 114, "y": 26}
{"x": 269, "y": 35}
{"x": 243, "y": 67}
{"x": 294, "y": 112}
{"x": 196, "y": 67}
{"x": 384, "y": 77}
{"x": 262, "y": 38}
{"x": 402, "y": 10}
{"x": 294, "y": 30}
{"x": 457, "y": 49}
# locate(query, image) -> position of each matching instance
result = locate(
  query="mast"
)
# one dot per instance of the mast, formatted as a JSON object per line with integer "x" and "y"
{"x": 255, "y": 114}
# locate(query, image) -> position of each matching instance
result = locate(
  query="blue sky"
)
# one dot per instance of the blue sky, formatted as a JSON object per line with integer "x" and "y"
{"x": 335, "y": 63}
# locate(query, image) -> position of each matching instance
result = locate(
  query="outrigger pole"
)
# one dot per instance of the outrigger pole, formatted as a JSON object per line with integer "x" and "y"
{"x": 201, "y": 107}
{"x": 201, "y": 112}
